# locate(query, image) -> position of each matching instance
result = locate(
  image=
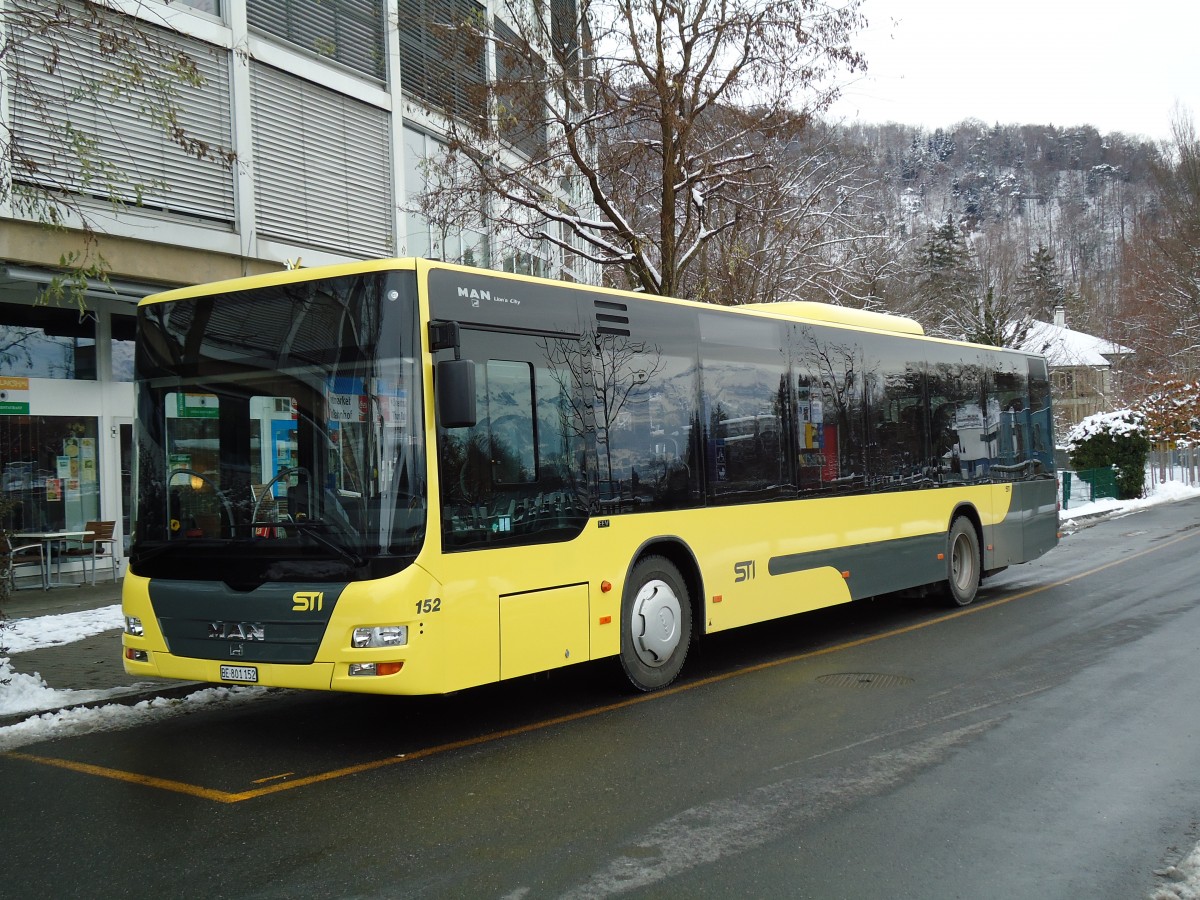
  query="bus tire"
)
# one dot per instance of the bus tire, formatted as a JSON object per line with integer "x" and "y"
{"x": 963, "y": 566}
{"x": 656, "y": 624}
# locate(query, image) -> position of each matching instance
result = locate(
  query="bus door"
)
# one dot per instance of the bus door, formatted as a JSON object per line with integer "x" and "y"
{"x": 518, "y": 479}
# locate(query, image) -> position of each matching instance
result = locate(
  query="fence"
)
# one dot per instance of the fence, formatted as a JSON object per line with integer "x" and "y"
{"x": 1086, "y": 486}
{"x": 1180, "y": 466}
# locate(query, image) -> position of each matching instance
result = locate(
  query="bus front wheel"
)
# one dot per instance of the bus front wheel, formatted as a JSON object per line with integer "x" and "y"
{"x": 656, "y": 624}
{"x": 963, "y": 567}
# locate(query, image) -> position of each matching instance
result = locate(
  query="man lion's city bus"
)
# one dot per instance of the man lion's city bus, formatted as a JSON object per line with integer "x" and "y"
{"x": 405, "y": 477}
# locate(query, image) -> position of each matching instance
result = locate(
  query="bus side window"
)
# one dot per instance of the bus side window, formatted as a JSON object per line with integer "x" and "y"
{"x": 510, "y": 411}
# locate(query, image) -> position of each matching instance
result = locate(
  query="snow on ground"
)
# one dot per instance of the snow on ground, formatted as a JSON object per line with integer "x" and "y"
{"x": 112, "y": 716}
{"x": 1163, "y": 492}
{"x": 26, "y": 693}
{"x": 50, "y": 631}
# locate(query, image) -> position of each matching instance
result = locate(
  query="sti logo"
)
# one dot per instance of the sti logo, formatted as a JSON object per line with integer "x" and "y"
{"x": 308, "y": 601}
{"x": 743, "y": 571}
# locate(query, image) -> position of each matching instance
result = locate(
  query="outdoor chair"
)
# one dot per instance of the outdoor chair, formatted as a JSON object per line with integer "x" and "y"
{"x": 24, "y": 555}
{"x": 100, "y": 545}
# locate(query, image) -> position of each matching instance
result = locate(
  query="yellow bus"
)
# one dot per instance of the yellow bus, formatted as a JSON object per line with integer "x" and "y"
{"x": 405, "y": 477}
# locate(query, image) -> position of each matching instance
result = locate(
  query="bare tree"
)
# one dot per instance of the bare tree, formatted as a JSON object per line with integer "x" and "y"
{"x": 1161, "y": 302}
{"x": 643, "y": 127}
{"x": 804, "y": 227}
{"x": 76, "y": 71}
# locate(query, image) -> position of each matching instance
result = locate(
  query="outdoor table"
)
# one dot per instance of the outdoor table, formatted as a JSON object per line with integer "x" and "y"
{"x": 47, "y": 539}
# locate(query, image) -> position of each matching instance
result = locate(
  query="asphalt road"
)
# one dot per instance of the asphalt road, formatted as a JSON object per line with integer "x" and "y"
{"x": 1042, "y": 743}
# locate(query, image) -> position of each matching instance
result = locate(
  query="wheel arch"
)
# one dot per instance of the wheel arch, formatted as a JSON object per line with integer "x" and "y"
{"x": 969, "y": 512}
{"x": 676, "y": 551}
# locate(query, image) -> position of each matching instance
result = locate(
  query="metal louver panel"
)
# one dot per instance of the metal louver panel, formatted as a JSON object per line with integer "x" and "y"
{"x": 441, "y": 63}
{"x": 150, "y": 167}
{"x": 521, "y": 103}
{"x": 348, "y": 31}
{"x": 322, "y": 166}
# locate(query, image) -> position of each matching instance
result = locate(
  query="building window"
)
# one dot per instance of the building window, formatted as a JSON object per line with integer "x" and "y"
{"x": 47, "y": 342}
{"x": 1063, "y": 381}
{"x": 75, "y": 131}
{"x": 322, "y": 172}
{"x": 443, "y": 59}
{"x": 49, "y": 472}
{"x": 212, "y": 7}
{"x": 123, "y": 331}
{"x": 520, "y": 93}
{"x": 425, "y": 238}
{"x": 347, "y": 31}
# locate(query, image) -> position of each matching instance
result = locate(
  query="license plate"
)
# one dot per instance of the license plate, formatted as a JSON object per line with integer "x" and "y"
{"x": 239, "y": 673}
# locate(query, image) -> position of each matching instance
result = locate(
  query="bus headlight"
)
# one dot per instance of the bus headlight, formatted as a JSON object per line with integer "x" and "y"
{"x": 380, "y": 636}
{"x": 133, "y": 625}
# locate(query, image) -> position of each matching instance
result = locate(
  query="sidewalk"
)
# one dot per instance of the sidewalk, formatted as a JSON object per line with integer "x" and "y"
{"x": 93, "y": 663}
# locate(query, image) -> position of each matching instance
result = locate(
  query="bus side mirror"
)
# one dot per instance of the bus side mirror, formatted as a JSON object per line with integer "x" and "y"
{"x": 455, "y": 383}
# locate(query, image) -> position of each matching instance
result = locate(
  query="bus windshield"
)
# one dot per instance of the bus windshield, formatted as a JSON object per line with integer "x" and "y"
{"x": 280, "y": 433}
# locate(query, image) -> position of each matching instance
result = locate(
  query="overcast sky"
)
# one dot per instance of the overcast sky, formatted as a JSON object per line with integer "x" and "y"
{"x": 1119, "y": 67}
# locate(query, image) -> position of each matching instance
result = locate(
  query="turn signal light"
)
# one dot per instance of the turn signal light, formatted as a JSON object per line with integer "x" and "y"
{"x": 388, "y": 668}
{"x": 137, "y": 655}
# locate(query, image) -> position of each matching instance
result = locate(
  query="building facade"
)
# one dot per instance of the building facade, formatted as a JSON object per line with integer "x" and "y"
{"x": 311, "y": 124}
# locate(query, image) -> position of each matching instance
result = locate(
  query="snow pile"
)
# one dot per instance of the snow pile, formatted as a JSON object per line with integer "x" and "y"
{"x": 25, "y": 693}
{"x": 1164, "y": 492}
{"x": 81, "y": 720}
{"x": 21, "y": 635}
{"x": 1183, "y": 879}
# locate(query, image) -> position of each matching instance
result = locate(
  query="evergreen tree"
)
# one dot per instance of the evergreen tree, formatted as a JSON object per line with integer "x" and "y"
{"x": 947, "y": 275}
{"x": 1040, "y": 286}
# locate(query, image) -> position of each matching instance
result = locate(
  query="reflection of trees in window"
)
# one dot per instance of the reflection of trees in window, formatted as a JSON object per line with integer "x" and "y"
{"x": 749, "y": 414}
{"x": 642, "y": 410}
{"x": 834, "y": 370}
{"x": 899, "y": 454}
{"x": 957, "y": 412}
{"x": 623, "y": 370}
{"x": 518, "y": 474}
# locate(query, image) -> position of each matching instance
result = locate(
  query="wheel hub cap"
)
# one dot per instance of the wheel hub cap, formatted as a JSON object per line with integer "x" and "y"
{"x": 656, "y": 619}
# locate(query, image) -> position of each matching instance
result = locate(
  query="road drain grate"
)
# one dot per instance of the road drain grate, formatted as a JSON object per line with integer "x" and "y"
{"x": 863, "y": 680}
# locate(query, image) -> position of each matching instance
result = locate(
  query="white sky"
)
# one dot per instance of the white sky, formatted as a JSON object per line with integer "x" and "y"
{"x": 1117, "y": 66}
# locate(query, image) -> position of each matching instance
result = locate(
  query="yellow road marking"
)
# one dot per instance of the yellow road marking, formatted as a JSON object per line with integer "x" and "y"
{"x": 218, "y": 796}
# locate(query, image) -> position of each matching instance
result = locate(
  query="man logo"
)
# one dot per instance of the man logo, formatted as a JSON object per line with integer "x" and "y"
{"x": 308, "y": 601}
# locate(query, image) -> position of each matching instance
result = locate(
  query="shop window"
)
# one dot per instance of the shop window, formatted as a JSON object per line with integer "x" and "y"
{"x": 49, "y": 472}
{"x": 47, "y": 342}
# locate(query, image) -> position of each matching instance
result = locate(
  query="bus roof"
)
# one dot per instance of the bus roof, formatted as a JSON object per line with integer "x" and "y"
{"x": 283, "y": 276}
{"x": 841, "y": 315}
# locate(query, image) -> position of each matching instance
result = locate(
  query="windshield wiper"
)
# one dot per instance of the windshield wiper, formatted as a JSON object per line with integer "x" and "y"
{"x": 308, "y": 528}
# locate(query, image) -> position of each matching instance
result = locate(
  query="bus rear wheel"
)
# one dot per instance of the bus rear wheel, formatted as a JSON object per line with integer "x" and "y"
{"x": 963, "y": 566}
{"x": 656, "y": 624}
